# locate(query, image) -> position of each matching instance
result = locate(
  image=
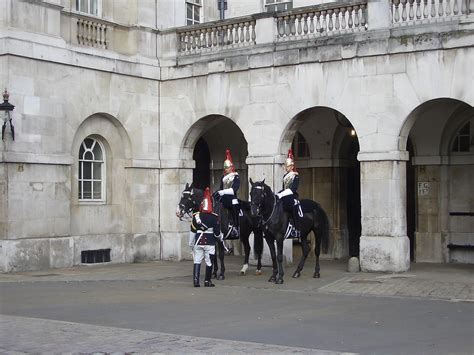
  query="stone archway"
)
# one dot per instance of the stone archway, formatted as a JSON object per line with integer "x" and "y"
{"x": 325, "y": 145}
{"x": 443, "y": 211}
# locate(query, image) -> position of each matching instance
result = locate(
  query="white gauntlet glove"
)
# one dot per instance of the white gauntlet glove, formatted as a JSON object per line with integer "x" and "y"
{"x": 191, "y": 240}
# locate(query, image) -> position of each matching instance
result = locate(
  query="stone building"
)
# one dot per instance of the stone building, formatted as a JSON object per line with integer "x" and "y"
{"x": 119, "y": 103}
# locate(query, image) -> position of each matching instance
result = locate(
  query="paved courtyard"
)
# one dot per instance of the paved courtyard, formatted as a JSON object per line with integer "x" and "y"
{"x": 153, "y": 307}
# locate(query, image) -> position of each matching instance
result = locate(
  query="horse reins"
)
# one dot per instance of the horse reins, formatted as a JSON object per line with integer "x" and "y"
{"x": 274, "y": 204}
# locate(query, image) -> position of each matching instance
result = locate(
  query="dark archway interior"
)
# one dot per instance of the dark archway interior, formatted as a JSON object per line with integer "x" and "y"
{"x": 411, "y": 202}
{"x": 202, "y": 157}
{"x": 353, "y": 199}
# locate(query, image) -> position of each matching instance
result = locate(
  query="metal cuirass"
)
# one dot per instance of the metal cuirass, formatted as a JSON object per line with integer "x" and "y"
{"x": 288, "y": 179}
{"x": 228, "y": 180}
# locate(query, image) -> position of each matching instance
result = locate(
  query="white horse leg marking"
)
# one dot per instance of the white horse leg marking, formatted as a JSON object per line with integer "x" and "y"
{"x": 244, "y": 269}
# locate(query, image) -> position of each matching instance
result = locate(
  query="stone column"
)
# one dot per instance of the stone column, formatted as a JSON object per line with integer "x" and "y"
{"x": 384, "y": 245}
{"x": 270, "y": 169}
{"x": 174, "y": 233}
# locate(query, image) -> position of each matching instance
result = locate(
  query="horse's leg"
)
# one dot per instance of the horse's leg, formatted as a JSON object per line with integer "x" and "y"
{"x": 215, "y": 266}
{"x": 280, "y": 261}
{"x": 305, "y": 249}
{"x": 259, "y": 265}
{"x": 221, "y": 258}
{"x": 271, "y": 246}
{"x": 317, "y": 251}
{"x": 245, "y": 242}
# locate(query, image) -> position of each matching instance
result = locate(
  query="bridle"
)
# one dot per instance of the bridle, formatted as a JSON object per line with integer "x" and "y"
{"x": 263, "y": 196}
{"x": 187, "y": 211}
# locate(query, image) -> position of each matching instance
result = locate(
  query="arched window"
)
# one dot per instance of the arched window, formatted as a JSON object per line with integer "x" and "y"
{"x": 462, "y": 141}
{"x": 300, "y": 146}
{"x": 91, "y": 182}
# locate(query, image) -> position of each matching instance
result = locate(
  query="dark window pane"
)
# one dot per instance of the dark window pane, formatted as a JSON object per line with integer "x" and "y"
{"x": 97, "y": 152}
{"x": 456, "y": 144}
{"x": 87, "y": 170}
{"x": 97, "y": 171}
{"x": 464, "y": 143}
{"x": 80, "y": 170}
{"x": 189, "y": 11}
{"x": 196, "y": 14}
{"x": 97, "y": 190}
{"x": 88, "y": 142}
{"x": 79, "y": 189}
{"x": 88, "y": 156}
{"x": 87, "y": 190}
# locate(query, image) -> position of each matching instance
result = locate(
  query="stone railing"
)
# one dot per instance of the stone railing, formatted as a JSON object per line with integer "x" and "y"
{"x": 234, "y": 33}
{"x": 92, "y": 33}
{"x": 323, "y": 20}
{"x": 408, "y": 12}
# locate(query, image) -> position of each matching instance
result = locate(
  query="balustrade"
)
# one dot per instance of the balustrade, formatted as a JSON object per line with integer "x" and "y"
{"x": 225, "y": 35}
{"x": 330, "y": 20}
{"x": 406, "y": 12}
{"x": 92, "y": 33}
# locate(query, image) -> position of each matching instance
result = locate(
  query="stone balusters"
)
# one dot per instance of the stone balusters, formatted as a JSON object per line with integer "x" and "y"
{"x": 405, "y": 12}
{"x": 92, "y": 33}
{"x": 224, "y": 35}
{"x": 330, "y": 20}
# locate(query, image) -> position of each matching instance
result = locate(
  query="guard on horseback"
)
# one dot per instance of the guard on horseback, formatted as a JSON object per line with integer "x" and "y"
{"x": 227, "y": 193}
{"x": 289, "y": 196}
{"x": 205, "y": 230}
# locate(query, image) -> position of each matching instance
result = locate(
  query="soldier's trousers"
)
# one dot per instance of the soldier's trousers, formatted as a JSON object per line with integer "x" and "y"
{"x": 204, "y": 252}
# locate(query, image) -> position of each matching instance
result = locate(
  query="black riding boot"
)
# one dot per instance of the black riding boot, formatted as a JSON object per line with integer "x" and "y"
{"x": 196, "y": 274}
{"x": 296, "y": 221}
{"x": 236, "y": 219}
{"x": 207, "y": 279}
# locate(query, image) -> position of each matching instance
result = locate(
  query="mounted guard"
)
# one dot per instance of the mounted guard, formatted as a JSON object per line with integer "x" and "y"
{"x": 205, "y": 231}
{"x": 227, "y": 193}
{"x": 289, "y": 197}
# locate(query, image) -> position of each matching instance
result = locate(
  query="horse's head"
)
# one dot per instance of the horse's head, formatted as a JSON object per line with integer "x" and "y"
{"x": 189, "y": 201}
{"x": 257, "y": 197}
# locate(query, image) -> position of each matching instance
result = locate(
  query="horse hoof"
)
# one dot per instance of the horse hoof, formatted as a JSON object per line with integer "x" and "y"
{"x": 258, "y": 272}
{"x": 221, "y": 277}
{"x": 242, "y": 273}
{"x": 214, "y": 276}
{"x": 279, "y": 281}
{"x": 272, "y": 279}
{"x": 296, "y": 275}
{"x": 316, "y": 275}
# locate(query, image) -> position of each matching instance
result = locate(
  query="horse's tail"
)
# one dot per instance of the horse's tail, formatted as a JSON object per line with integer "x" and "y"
{"x": 257, "y": 243}
{"x": 320, "y": 223}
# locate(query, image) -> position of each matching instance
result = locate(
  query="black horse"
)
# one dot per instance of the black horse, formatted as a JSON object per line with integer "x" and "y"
{"x": 191, "y": 198}
{"x": 264, "y": 204}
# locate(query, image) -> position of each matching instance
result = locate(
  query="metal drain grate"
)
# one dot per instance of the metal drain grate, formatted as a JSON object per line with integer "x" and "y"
{"x": 95, "y": 256}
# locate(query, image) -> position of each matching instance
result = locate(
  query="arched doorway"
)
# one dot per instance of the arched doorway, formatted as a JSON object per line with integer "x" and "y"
{"x": 326, "y": 147}
{"x": 440, "y": 140}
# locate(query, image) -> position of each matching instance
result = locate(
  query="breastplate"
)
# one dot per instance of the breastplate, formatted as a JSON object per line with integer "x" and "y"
{"x": 228, "y": 180}
{"x": 288, "y": 179}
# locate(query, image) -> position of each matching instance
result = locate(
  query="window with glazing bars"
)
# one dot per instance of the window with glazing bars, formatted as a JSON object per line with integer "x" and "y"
{"x": 91, "y": 182}
{"x": 92, "y": 7}
{"x": 193, "y": 12}
{"x": 278, "y": 5}
{"x": 463, "y": 138}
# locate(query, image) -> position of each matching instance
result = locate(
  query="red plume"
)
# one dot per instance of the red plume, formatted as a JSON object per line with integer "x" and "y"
{"x": 206, "y": 204}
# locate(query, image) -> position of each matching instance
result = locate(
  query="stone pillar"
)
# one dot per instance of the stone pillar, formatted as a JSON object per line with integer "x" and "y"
{"x": 174, "y": 233}
{"x": 384, "y": 245}
{"x": 270, "y": 169}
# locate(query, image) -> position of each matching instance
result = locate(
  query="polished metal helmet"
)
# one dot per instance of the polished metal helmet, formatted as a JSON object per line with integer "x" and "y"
{"x": 228, "y": 161}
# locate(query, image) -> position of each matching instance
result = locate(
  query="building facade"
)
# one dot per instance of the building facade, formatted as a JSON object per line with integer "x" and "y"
{"x": 119, "y": 104}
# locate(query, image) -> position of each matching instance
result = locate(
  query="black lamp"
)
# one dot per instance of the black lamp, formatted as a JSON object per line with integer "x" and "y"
{"x": 8, "y": 108}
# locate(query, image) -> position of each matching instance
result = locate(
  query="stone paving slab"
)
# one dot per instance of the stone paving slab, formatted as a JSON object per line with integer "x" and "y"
{"x": 19, "y": 335}
{"x": 401, "y": 286}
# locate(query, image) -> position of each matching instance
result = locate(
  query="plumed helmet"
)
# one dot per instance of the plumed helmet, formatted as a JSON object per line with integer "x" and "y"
{"x": 290, "y": 161}
{"x": 206, "y": 204}
{"x": 228, "y": 161}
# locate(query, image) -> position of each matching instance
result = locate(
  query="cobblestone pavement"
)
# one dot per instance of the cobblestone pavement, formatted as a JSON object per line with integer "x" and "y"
{"x": 25, "y": 335}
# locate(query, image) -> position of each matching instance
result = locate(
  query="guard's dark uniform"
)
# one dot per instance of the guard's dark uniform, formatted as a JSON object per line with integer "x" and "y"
{"x": 205, "y": 231}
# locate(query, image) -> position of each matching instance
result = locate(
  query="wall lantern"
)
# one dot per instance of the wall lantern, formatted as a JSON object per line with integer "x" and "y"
{"x": 344, "y": 122}
{"x": 7, "y": 118}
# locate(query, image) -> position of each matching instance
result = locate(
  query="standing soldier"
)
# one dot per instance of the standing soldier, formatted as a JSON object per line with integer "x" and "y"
{"x": 205, "y": 230}
{"x": 230, "y": 184}
{"x": 289, "y": 194}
